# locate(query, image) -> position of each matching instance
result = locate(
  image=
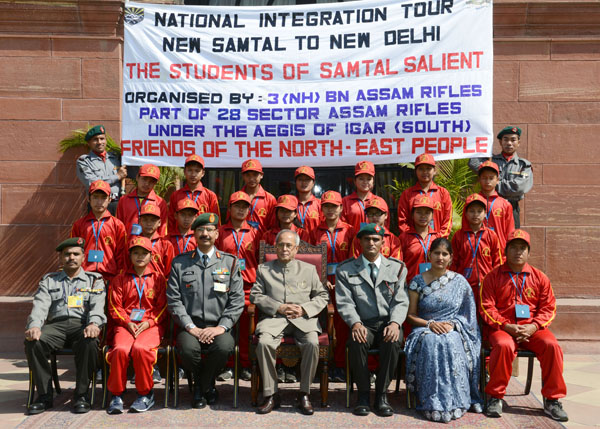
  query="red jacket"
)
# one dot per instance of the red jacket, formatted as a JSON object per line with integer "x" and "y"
{"x": 162, "y": 255}
{"x": 442, "y": 213}
{"x": 499, "y": 217}
{"x": 271, "y": 234}
{"x": 353, "y": 212}
{"x": 128, "y": 210}
{"x": 411, "y": 244}
{"x": 391, "y": 247}
{"x": 343, "y": 240}
{"x": 262, "y": 209}
{"x": 249, "y": 241}
{"x": 182, "y": 243}
{"x": 112, "y": 241}
{"x": 205, "y": 198}
{"x": 499, "y": 295}
{"x": 123, "y": 297}
{"x": 310, "y": 212}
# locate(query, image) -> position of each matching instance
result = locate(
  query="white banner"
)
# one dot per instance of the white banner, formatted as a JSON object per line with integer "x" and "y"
{"x": 322, "y": 85}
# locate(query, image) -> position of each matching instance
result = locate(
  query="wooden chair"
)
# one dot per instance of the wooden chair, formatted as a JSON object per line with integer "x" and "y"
{"x": 288, "y": 352}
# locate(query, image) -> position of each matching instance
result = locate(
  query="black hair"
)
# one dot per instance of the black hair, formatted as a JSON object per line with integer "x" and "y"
{"x": 438, "y": 242}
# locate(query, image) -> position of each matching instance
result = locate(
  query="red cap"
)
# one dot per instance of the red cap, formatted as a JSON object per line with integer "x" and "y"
{"x": 305, "y": 169}
{"x": 331, "y": 197}
{"x": 488, "y": 164}
{"x": 252, "y": 165}
{"x": 195, "y": 158}
{"x": 186, "y": 203}
{"x": 150, "y": 209}
{"x": 140, "y": 241}
{"x": 422, "y": 201}
{"x": 475, "y": 198}
{"x": 364, "y": 167}
{"x": 289, "y": 202}
{"x": 240, "y": 196}
{"x": 424, "y": 158}
{"x": 518, "y": 234}
{"x": 150, "y": 170}
{"x": 378, "y": 203}
{"x": 100, "y": 185}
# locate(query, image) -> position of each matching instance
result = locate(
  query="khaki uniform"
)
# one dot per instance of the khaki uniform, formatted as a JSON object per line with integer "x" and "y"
{"x": 294, "y": 283}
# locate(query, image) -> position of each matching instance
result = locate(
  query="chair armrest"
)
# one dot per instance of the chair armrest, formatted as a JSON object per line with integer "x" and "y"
{"x": 330, "y": 312}
{"x": 252, "y": 321}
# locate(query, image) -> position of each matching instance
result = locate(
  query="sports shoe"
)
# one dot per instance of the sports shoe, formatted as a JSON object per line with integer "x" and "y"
{"x": 115, "y": 406}
{"x": 494, "y": 407}
{"x": 245, "y": 374}
{"x": 156, "y": 375}
{"x": 280, "y": 374}
{"x": 225, "y": 375}
{"x": 143, "y": 403}
{"x": 554, "y": 409}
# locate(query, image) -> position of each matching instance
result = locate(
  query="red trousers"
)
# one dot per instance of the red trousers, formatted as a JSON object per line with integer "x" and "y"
{"x": 142, "y": 350}
{"x": 546, "y": 348}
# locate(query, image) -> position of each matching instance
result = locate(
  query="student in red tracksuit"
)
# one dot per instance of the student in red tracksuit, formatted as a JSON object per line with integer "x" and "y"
{"x": 499, "y": 215}
{"x": 354, "y": 205}
{"x": 205, "y": 199}
{"x": 416, "y": 241}
{"x": 338, "y": 236}
{"x": 285, "y": 212}
{"x": 475, "y": 247}
{"x": 377, "y": 211}
{"x": 181, "y": 236}
{"x": 442, "y": 204}
{"x": 130, "y": 205}
{"x": 261, "y": 215}
{"x": 137, "y": 306}
{"x": 162, "y": 250}
{"x": 104, "y": 234}
{"x": 517, "y": 307}
{"x": 309, "y": 207}
{"x": 241, "y": 240}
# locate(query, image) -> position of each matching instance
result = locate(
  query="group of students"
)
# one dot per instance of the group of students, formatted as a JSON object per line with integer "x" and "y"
{"x": 134, "y": 250}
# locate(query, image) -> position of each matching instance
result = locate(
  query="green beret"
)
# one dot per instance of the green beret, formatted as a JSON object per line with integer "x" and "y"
{"x": 205, "y": 219}
{"x": 509, "y": 130}
{"x": 71, "y": 242}
{"x": 94, "y": 131}
{"x": 371, "y": 229}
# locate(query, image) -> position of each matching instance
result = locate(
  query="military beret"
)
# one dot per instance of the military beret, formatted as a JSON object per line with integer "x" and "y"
{"x": 371, "y": 229}
{"x": 94, "y": 131}
{"x": 509, "y": 130}
{"x": 205, "y": 219}
{"x": 71, "y": 242}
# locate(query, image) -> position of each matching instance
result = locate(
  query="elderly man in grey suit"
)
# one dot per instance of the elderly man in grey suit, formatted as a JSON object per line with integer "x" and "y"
{"x": 371, "y": 298}
{"x": 291, "y": 295}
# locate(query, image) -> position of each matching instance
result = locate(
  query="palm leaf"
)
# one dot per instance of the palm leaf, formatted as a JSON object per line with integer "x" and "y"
{"x": 77, "y": 139}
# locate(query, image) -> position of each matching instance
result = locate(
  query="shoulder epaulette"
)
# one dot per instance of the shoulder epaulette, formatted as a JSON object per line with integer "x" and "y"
{"x": 53, "y": 274}
{"x": 346, "y": 261}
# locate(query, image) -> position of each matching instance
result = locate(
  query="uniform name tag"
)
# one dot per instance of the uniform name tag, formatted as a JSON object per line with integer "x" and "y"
{"x": 467, "y": 272}
{"x": 137, "y": 314}
{"x": 253, "y": 224}
{"x": 522, "y": 311}
{"x": 96, "y": 256}
{"x": 242, "y": 264}
{"x": 75, "y": 301}
{"x": 136, "y": 229}
{"x": 424, "y": 266}
{"x": 220, "y": 287}
{"x": 331, "y": 268}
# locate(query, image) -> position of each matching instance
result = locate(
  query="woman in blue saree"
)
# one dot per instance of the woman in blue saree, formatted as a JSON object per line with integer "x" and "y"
{"x": 443, "y": 349}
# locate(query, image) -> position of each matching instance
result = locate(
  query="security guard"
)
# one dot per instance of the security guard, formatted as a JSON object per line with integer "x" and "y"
{"x": 99, "y": 164}
{"x": 371, "y": 298}
{"x": 68, "y": 309}
{"x": 205, "y": 297}
{"x": 516, "y": 174}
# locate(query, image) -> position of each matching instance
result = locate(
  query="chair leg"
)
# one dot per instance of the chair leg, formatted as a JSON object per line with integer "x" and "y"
{"x": 348, "y": 380}
{"x": 236, "y": 375}
{"x": 93, "y": 390}
{"x": 254, "y": 380}
{"x": 169, "y": 375}
{"x": 31, "y": 389}
{"x": 55, "y": 374}
{"x": 104, "y": 378}
{"x": 482, "y": 379}
{"x": 324, "y": 383}
{"x": 529, "y": 375}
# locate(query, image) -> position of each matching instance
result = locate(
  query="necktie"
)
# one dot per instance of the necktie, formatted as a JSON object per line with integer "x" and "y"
{"x": 205, "y": 259}
{"x": 374, "y": 272}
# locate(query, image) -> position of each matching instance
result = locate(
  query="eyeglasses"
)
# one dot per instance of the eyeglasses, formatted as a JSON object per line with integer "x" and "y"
{"x": 285, "y": 245}
{"x": 205, "y": 229}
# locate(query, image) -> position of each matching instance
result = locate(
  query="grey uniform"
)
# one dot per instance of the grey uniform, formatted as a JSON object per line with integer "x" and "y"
{"x": 91, "y": 167}
{"x": 63, "y": 326}
{"x": 375, "y": 306}
{"x": 193, "y": 298}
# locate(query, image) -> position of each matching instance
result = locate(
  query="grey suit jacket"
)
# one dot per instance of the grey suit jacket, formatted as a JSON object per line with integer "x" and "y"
{"x": 294, "y": 283}
{"x": 359, "y": 300}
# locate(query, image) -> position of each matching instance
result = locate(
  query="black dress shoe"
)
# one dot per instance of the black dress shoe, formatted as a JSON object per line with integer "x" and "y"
{"x": 199, "y": 402}
{"x": 362, "y": 407}
{"x": 382, "y": 406}
{"x": 212, "y": 396}
{"x": 304, "y": 405}
{"x": 81, "y": 405}
{"x": 269, "y": 404}
{"x": 42, "y": 403}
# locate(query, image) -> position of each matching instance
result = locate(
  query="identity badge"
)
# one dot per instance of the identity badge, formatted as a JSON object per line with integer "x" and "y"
{"x": 75, "y": 301}
{"x": 242, "y": 264}
{"x": 467, "y": 272}
{"x": 331, "y": 268}
{"x": 136, "y": 229}
{"x": 220, "y": 287}
{"x": 96, "y": 256}
{"x": 253, "y": 224}
{"x": 522, "y": 311}
{"x": 137, "y": 314}
{"x": 425, "y": 266}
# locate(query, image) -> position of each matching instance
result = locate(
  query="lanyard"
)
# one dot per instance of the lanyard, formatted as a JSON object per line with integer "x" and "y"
{"x": 140, "y": 292}
{"x": 489, "y": 211}
{"x": 332, "y": 243}
{"x": 253, "y": 207}
{"x": 423, "y": 245}
{"x": 425, "y": 193}
{"x": 137, "y": 203}
{"x": 516, "y": 283}
{"x": 190, "y": 195}
{"x": 179, "y": 249}
{"x": 476, "y": 246}
{"x": 154, "y": 242}
{"x": 302, "y": 215}
{"x": 97, "y": 236}
{"x": 238, "y": 243}
{"x": 362, "y": 205}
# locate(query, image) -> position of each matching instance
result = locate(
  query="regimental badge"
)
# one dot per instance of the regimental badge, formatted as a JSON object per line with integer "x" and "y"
{"x": 79, "y": 241}
{"x": 518, "y": 233}
{"x": 138, "y": 241}
{"x": 514, "y": 130}
{"x": 485, "y": 251}
{"x": 385, "y": 251}
{"x": 529, "y": 292}
{"x": 150, "y": 293}
{"x": 498, "y": 213}
{"x": 108, "y": 240}
{"x": 249, "y": 246}
{"x": 437, "y": 205}
{"x": 423, "y": 157}
{"x": 187, "y": 203}
{"x": 202, "y": 208}
{"x": 151, "y": 170}
{"x": 328, "y": 196}
{"x": 313, "y": 214}
{"x": 102, "y": 130}
{"x": 250, "y": 164}
{"x": 211, "y": 218}
{"x": 375, "y": 202}
{"x": 262, "y": 212}
{"x": 363, "y": 165}
{"x": 156, "y": 257}
{"x": 424, "y": 199}
{"x": 134, "y": 15}
{"x": 377, "y": 228}
{"x": 284, "y": 199}
{"x": 344, "y": 246}
{"x": 302, "y": 170}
